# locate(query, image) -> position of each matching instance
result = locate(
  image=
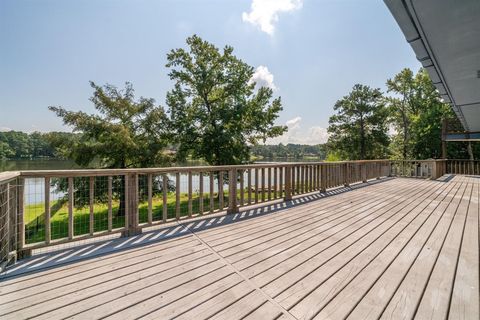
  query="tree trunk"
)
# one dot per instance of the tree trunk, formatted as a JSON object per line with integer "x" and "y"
{"x": 362, "y": 139}
{"x": 122, "y": 198}
{"x": 405, "y": 134}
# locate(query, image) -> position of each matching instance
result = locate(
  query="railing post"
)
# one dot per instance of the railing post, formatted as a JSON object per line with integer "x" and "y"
{"x": 4, "y": 225}
{"x": 232, "y": 191}
{"x": 346, "y": 174}
{"x": 363, "y": 167}
{"x": 21, "y": 252}
{"x": 288, "y": 183}
{"x": 323, "y": 178}
{"x": 434, "y": 170}
{"x": 47, "y": 211}
{"x": 131, "y": 205}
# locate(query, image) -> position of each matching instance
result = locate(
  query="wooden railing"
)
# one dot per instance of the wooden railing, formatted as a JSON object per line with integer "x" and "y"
{"x": 431, "y": 169}
{"x": 10, "y": 197}
{"x": 49, "y": 207}
{"x": 459, "y": 166}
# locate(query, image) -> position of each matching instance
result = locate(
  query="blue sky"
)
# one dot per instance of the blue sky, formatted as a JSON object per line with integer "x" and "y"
{"x": 311, "y": 51}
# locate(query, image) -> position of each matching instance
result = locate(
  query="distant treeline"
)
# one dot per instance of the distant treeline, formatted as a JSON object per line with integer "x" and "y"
{"x": 35, "y": 145}
{"x": 290, "y": 150}
{"x": 21, "y": 145}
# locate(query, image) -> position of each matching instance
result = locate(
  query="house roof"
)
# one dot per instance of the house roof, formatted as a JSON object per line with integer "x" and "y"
{"x": 445, "y": 36}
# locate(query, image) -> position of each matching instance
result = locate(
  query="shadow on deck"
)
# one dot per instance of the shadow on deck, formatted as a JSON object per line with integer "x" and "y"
{"x": 392, "y": 248}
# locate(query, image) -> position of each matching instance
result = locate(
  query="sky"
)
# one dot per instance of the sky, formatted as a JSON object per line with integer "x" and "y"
{"x": 310, "y": 52}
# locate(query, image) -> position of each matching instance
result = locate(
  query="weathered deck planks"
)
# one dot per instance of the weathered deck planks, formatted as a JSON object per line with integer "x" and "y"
{"x": 401, "y": 248}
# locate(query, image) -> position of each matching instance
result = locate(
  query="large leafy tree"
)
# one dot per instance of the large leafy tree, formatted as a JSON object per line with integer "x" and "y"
{"x": 216, "y": 112}
{"x": 358, "y": 129}
{"x": 416, "y": 114}
{"x": 123, "y": 133}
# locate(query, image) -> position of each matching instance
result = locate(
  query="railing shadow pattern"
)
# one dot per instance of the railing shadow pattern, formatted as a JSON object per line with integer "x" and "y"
{"x": 62, "y": 257}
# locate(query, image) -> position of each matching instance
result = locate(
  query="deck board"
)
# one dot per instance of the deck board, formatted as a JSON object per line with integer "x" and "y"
{"x": 399, "y": 248}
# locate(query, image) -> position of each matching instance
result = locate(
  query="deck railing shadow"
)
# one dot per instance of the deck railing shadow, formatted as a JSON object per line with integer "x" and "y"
{"x": 62, "y": 256}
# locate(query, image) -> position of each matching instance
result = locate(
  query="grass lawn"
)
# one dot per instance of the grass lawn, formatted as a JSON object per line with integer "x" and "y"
{"x": 34, "y": 215}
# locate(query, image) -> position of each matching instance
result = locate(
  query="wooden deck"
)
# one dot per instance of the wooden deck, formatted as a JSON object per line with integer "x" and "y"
{"x": 400, "y": 248}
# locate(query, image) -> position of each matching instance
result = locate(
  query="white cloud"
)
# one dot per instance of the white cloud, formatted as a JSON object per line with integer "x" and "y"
{"x": 5, "y": 129}
{"x": 263, "y": 78}
{"x": 297, "y": 134}
{"x": 264, "y": 13}
{"x": 294, "y": 123}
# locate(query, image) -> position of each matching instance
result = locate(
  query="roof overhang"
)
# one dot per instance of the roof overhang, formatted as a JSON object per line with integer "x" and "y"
{"x": 445, "y": 36}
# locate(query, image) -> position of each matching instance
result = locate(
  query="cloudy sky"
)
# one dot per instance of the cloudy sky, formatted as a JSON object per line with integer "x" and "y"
{"x": 311, "y": 52}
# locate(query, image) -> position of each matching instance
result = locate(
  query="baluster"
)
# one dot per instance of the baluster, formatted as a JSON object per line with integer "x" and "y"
{"x": 109, "y": 202}
{"x": 177, "y": 195}
{"x": 164, "y": 200}
{"x": 269, "y": 183}
{"x": 317, "y": 168}
{"x": 47, "y": 211}
{"x": 249, "y": 185}
{"x": 275, "y": 183}
{"x": 312, "y": 180}
{"x": 299, "y": 180}
{"x": 92, "y": 195}
{"x": 242, "y": 188}
{"x": 263, "y": 184}
{"x": 256, "y": 185}
{"x": 221, "y": 204}
{"x": 200, "y": 193}
{"x": 212, "y": 184}
{"x": 190, "y": 193}
{"x": 292, "y": 183}
{"x": 280, "y": 183}
{"x": 70, "y": 208}
{"x": 149, "y": 195}
{"x": 302, "y": 175}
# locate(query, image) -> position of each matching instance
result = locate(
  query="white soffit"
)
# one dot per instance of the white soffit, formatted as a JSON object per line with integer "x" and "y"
{"x": 445, "y": 36}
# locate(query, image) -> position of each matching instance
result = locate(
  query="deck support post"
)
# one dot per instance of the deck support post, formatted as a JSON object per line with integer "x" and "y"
{"x": 131, "y": 205}
{"x": 323, "y": 178}
{"x": 232, "y": 191}
{"x": 288, "y": 183}
{"x": 363, "y": 167}
{"x": 20, "y": 239}
{"x": 346, "y": 174}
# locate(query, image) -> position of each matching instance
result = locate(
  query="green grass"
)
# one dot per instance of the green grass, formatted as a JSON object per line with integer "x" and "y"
{"x": 34, "y": 215}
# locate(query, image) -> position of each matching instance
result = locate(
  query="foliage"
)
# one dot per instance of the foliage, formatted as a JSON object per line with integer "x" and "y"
{"x": 21, "y": 145}
{"x": 358, "y": 129}
{"x": 416, "y": 114}
{"x": 124, "y": 133}
{"x": 215, "y": 111}
{"x": 290, "y": 150}
{"x": 333, "y": 156}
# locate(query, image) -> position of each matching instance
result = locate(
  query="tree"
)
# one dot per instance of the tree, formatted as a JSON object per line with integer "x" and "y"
{"x": 215, "y": 111}
{"x": 18, "y": 142}
{"x": 5, "y": 151}
{"x": 358, "y": 130}
{"x": 416, "y": 113}
{"x": 124, "y": 133}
